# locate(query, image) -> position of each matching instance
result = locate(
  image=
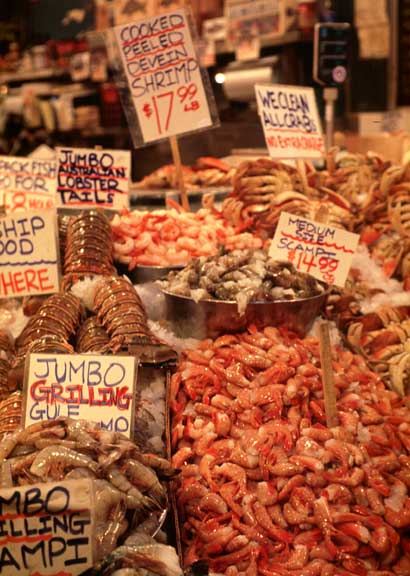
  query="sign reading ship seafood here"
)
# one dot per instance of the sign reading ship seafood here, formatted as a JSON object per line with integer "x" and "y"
{"x": 322, "y": 251}
{"x": 87, "y": 387}
{"x": 164, "y": 76}
{"x": 46, "y": 529}
{"x": 28, "y": 254}
{"x": 27, "y": 184}
{"x": 290, "y": 121}
{"x": 93, "y": 178}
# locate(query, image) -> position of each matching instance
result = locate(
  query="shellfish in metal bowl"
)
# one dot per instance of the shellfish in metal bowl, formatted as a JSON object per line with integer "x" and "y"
{"x": 227, "y": 293}
{"x": 211, "y": 318}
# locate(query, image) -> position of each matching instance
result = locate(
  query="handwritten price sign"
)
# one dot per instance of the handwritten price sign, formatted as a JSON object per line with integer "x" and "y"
{"x": 27, "y": 184}
{"x": 90, "y": 387}
{"x": 164, "y": 76}
{"x": 320, "y": 250}
{"x": 290, "y": 121}
{"x": 29, "y": 254}
{"x": 93, "y": 178}
{"x": 47, "y": 529}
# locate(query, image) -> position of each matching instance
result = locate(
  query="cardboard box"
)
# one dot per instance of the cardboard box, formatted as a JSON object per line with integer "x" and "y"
{"x": 390, "y": 146}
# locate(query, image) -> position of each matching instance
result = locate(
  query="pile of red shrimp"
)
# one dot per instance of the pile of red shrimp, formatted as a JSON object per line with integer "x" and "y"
{"x": 172, "y": 238}
{"x": 265, "y": 487}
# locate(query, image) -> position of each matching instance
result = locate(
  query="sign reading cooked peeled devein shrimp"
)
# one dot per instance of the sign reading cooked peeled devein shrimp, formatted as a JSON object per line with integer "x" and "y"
{"x": 47, "y": 529}
{"x": 164, "y": 76}
{"x": 290, "y": 121}
{"x": 322, "y": 251}
{"x": 27, "y": 184}
{"x": 29, "y": 254}
{"x": 89, "y": 178}
{"x": 82, "y": 386}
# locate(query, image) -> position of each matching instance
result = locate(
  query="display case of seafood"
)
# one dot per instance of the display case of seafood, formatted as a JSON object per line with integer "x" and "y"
{"x": 265, "y": 486}
{"x": 230, "y": 413}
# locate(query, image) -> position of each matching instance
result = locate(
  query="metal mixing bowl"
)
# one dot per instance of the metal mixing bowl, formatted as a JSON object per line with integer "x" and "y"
{"x": 210, "y": 318}
{"x": 143, "y": 274}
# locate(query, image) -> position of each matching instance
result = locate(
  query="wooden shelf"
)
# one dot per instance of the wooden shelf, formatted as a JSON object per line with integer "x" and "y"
{"x": 31, "y": 75}
{"x": 224, "y": 47}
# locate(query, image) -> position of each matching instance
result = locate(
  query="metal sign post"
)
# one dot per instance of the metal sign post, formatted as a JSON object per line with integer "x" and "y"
{"x": 330, "y": 96}
{"x": 330, "y": 61}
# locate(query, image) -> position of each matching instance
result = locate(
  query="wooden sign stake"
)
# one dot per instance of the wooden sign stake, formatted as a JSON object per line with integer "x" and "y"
{"x": 327, "y": 375}
{"x": 322, "y": 215}
{"x": 301, "y": 166}
{"x": 180, "y": 176}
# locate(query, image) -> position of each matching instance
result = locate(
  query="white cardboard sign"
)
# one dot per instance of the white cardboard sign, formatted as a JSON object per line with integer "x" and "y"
{"x": 322, "y": 251}
{"x": 47, "y": 529}
{"x": 29, "y": 254}
{"x": 290, "y": 121}
{"x": 89, "y": 178}
{"x": 27, "y": 184}
{"x": 84, "y": 386}
{"x": 163, "y": 75}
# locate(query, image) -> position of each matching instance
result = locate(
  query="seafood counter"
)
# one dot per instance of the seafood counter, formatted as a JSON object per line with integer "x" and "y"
{"x": 231, "y": 427}
{"x": 128, "y": 494}
{"x": 206, "y": 172}
{"x": 265, "y": 487}
{"x": 172, "y": 238}
{"x": 243, "y": 276}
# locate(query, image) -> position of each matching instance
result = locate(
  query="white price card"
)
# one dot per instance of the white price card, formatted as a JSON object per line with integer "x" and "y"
{"x": 46, "y": 529}
{"x": 290, "y": 121}
{"x": 164, "y": 76}
{"x": 27, "y": 184}
{"x": 89, "y": 178}
{"x": 88, "y": 387}
{"x": 322, "y": 251}
{"x": 29, "y": 254}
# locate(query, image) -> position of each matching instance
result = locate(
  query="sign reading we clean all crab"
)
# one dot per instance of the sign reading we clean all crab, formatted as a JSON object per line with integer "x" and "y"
{"x": 290, "y": 121}
{"x": 46, "y": 529}
{"x": 82, "y": 386}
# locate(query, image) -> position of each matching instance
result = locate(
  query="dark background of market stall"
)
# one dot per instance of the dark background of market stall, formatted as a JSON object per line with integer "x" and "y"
{"x": 377, "y": 85}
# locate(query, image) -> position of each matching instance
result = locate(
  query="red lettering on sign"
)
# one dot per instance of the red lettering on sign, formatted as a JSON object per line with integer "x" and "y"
{"x": 163, "y": 110}
{"x": 27, "y": 281}
{"x": 19, "y": 282}
{"x": 43, "y": 279}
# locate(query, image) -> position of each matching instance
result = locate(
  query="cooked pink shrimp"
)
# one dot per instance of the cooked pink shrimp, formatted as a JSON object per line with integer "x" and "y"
{"x": 173, "y": 238}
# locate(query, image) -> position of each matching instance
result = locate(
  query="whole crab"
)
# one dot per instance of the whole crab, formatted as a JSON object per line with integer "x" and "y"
{"x": 353, "y": 176}
{"x": 383, "y": 338}
{"x": 264, "y": 188}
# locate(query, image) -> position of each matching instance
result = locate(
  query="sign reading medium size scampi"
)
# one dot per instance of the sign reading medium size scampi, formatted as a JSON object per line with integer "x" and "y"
{"x": 322, "y": 251}
{"x": 28, "y": 254}
{"x": 27, "y": 184}
{"x": 46, "y": 529}
{"x": 290, "y": 121}
{"x": 89, "y": 178}
{"x": 84, "y": 386}
{"x": 164, "y": 76}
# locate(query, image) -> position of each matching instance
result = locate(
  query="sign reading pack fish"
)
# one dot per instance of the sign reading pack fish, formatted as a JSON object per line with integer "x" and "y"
{"x": 27, "y": 184}
{"x": 290, "y": 121}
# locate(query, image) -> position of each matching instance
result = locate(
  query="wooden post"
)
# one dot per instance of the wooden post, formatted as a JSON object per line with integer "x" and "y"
{"x": 300, "y": 164}
{"x": 327, "y": 375}
{"x": 322, "y": 214}
{"x": 180, "y": 176}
